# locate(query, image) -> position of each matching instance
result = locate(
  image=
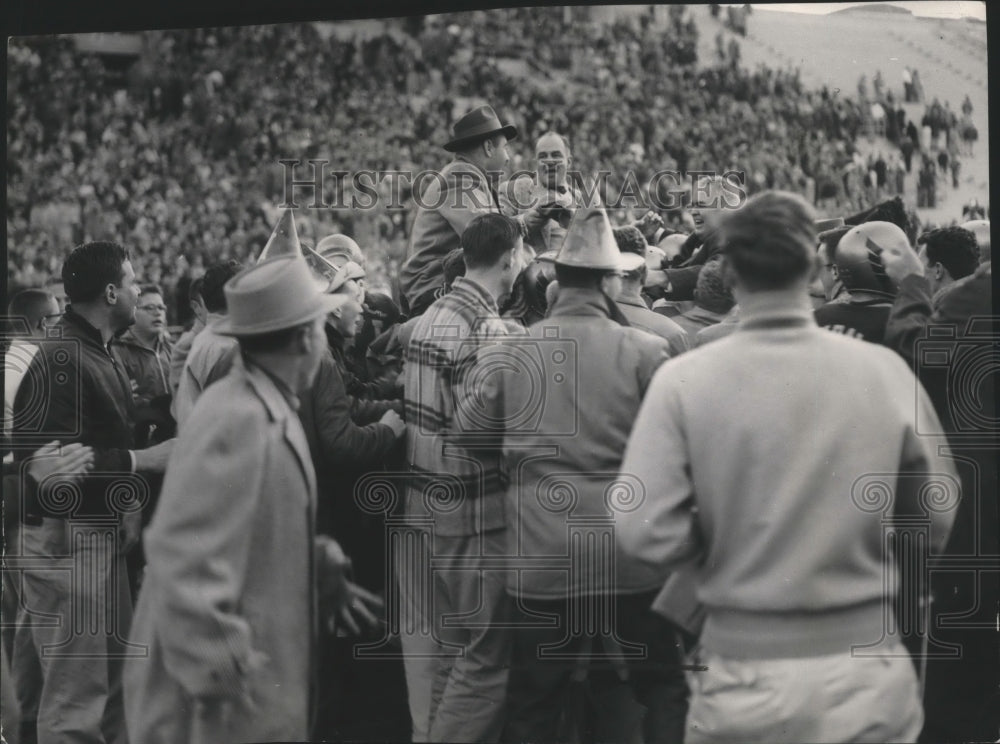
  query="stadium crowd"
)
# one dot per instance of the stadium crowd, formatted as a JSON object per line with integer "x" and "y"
{"x": 339, "y": 475}
{"x": 182, "y": 154}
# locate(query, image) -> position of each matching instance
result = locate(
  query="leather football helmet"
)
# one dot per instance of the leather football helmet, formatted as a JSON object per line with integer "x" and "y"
{"x": 859, "y": 257}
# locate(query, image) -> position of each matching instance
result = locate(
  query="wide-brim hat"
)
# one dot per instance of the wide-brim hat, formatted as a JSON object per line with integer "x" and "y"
{"x": 273, "y": 295}
{"x": 590, "y": 244}
{"x": 478, "y": 125}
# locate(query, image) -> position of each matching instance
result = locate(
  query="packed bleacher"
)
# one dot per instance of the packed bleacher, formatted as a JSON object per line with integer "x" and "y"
{"x": 178, "y": 156}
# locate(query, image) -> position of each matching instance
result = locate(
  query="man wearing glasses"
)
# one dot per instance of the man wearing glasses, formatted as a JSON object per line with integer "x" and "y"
{"x": 145, "y": 348}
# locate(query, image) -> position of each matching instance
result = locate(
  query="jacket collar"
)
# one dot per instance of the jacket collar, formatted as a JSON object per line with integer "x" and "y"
{"x": 131, "y": 339}
{"x": 475, "y": 293}
{"x": 777, "y": 309}
{"x": 281, "y": 405}
{"x": 81, "y": 327}
{"x": 573, "y": 301}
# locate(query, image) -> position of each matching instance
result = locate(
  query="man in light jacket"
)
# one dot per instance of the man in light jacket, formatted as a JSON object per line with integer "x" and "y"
{"x": 792, "y": 526}
{"x": 236, "y": 575}
{"x": 460, "y": 192}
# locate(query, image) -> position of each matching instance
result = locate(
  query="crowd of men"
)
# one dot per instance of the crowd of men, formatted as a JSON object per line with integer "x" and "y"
{"x": 585, "y": 483}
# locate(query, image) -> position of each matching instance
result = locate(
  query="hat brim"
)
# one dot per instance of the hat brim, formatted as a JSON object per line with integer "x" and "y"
{"x": 323, "y": 306}
{"x": 631, "y": 261}
{"x": 455, "y": 145}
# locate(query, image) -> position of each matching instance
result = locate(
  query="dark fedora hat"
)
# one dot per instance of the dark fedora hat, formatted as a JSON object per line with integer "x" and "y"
{"x": 478, "y": 125}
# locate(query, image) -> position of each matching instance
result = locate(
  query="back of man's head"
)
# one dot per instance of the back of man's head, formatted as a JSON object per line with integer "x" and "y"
{"x": 712, "y": 293}
{"x": 955, "y": 248}
{"x": 215, "y": 279}
{"x": 28, "y": 310}
{"x": 630, "y": 239}
{"x": 488, "y": 239}
{"x": 90, "y": 268}
{"x": 770, "y": 240}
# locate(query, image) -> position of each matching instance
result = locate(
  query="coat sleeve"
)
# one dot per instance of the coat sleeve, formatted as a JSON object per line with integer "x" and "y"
{"x": 908, "y": 319}
{"x": 198, "y": 546}
{"x": 662, "y": 531}
{"x": 462, "y": 203}
{"x": 341, "y": 442}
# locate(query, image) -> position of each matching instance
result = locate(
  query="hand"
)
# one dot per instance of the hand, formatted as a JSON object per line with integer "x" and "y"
{"x": 131, "y": 530}
{"x": 900, "y": 261}
{"x": 391, "y": 419}
{"x": 355, "y": 608}
{"x": 154, "y": 459}
{"x": 69, "y": 462}
{"x": 649, "y": 224}
{"x": 657, "y": 278}
{"x": 532, "y": 219}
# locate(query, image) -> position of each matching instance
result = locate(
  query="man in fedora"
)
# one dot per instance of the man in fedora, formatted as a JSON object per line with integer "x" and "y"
{"x": 460, "y": 192}
{"x": 235, "y": 572}
{"x": 588, "y": 354}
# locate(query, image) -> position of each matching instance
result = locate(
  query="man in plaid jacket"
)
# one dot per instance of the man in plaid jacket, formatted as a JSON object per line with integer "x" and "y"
{"x": 454, "y": 499}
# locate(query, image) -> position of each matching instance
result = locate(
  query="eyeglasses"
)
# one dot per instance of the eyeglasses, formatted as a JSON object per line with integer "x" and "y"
{"x": 153, "y": 308}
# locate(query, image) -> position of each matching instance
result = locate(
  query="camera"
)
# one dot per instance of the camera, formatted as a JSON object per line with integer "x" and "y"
{"x": 520, "y": 386}
{"x": 51, "y": 364}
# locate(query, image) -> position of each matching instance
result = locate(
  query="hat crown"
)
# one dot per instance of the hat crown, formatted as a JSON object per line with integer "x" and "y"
{"x": 272, "y": 295}
{"x": 589, "y": 242}
{"x": 474, "y": 120}
{"x": 284, "y": 240}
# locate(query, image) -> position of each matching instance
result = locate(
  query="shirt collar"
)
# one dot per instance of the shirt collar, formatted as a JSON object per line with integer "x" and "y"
{"x": 778, "y": 308}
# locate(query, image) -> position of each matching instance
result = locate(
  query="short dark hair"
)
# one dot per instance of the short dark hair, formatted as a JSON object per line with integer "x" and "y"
{"x": 269, "y": 343}
{"x": 487, "y": 238}
{"x": 213, "y": 282}
{"x": 29, "y": 304}
{"x": 955, "y": 248}
{"x": 711, "y": 292}
{"x": 145, "y": 289}
{"x": 770, "y": 241}
{"x": 91, "y": 267}
{"x": 630, "y": 239}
